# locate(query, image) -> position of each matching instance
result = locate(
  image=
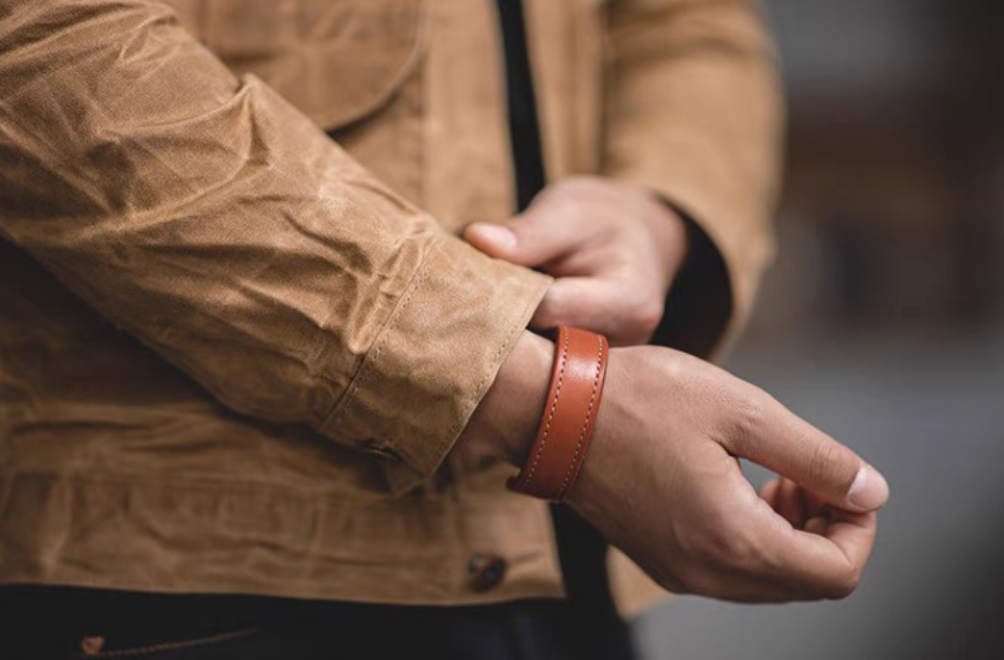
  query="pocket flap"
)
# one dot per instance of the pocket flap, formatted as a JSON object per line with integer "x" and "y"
{"x": 335, "y": 60}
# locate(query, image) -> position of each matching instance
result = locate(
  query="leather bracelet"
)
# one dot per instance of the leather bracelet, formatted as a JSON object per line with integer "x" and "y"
{"x": 566, "y": 427}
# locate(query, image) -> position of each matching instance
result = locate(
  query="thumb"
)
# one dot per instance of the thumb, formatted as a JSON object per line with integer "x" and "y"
{"x": 494, "y": 240}
{"x": 781, "y": 441}
{"x": 531, "y": 239}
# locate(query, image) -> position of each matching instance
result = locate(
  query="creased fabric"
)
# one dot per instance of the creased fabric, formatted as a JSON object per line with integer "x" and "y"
{"x": 219, "y": 225}
{"x": 238, "y": 332}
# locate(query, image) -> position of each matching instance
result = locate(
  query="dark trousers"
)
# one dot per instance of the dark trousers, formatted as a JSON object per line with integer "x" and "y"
{"x": 53, "y": 623}
{"x": 56, "y": 623}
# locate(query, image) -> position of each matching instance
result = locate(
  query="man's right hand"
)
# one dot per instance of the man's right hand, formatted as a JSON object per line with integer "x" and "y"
{"x": 661, "y": 480}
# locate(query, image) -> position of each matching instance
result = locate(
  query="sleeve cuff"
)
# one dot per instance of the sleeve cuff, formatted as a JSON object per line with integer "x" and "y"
{"x": 435, "y": 359}
{"x": 731, "y": 245}
{"x": 700, "y": 303}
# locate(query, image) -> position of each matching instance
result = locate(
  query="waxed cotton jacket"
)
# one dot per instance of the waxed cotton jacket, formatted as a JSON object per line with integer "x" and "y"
{"x": 239, "y": 334}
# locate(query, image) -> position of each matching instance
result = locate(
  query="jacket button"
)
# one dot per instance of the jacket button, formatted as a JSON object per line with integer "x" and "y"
{"x": 485, "y": 572}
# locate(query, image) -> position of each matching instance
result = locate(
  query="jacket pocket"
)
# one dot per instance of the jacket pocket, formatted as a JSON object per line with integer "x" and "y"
{"x": 336, "y": 60}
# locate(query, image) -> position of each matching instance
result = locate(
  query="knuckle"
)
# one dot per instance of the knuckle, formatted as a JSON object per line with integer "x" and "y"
{"x": 844, "y": 584}
{"x": 649, "y": 313}
{"x": 747, "y": 422}
{"x": 645, "y": 315}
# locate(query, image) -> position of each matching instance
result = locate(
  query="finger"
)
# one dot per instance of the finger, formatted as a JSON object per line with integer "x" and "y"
{"x": 814, "y": 506}
{"x": 494, "y": 240}
{"x": 790, "y": 504}
{"x": 609, "y": 307}
{"x": 532, "y": 238}
{"x": 854, "y": 534}
{"x": 768, "y": 493}
{"x": 788, "y": 565}
{"x": 817, "y": 525}
{"x": 767, "y": 560}
{"x": 784, "y": 443}
{"x": 826, "y": 565}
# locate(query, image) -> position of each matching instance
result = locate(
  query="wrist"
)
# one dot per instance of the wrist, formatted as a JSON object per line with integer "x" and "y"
{"x": 505, "y": 422}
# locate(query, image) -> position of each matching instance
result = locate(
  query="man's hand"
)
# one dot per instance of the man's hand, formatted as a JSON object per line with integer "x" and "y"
{"x": 661, "y": 480}
{"x": 614, "y": 247}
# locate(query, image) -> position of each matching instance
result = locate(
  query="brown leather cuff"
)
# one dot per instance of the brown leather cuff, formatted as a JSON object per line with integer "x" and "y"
{"x": 566, "y": 427}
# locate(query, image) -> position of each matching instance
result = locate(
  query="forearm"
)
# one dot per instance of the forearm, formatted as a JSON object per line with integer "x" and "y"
{"x": 200, "y": 212}
{"x": 218, "y": 224}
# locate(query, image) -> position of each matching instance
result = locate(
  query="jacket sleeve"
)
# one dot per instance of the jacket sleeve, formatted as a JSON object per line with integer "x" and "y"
{"x": 693, "y": 111}
{"x": 211, "y": 219}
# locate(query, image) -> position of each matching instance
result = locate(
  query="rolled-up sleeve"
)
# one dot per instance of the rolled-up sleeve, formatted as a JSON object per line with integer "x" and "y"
{"x": 207, "y": 216}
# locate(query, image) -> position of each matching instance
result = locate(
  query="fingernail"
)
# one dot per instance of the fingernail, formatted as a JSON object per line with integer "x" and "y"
{"x": 869, "y": 490}
{"x": 497, "y": 234}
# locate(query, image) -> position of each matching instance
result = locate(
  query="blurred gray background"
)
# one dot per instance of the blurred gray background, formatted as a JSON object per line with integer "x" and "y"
{"x": 882, "y": 322}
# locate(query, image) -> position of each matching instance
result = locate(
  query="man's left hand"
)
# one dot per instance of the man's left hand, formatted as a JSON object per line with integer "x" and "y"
{"x": 614, "y": 248}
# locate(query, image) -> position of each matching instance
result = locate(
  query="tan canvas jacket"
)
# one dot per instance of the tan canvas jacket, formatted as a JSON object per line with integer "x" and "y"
{"x": 238, "y": 332}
